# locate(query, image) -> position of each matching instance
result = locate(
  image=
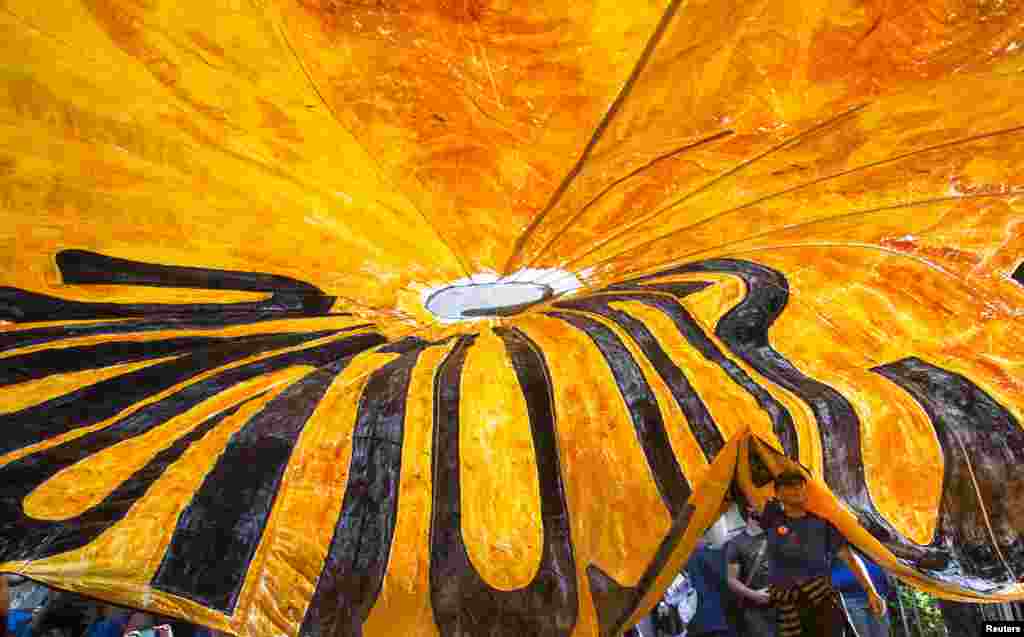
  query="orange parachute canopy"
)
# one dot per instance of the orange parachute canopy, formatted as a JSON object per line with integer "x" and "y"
{"x": 444, "y": 317}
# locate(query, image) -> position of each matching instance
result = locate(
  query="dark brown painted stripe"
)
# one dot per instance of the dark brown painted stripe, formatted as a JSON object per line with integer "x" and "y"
{"x": 23, "y": 537}
{"x": 114, "y": 507}
{"x": 615, "y": 603}
{"x": 1018, "y": 274}
{"x": 643, "y": 410}
{"x": 353, "y": 571}
{"x": 82, "y": 267}
{"x": 679, "y": 290}
{"x": 744, "y": 329}
{"x": 35, "y": 365}
{"x": 983, "y": 448}
{"x": 288, "y": 298}
{"x": 690, "y": 329}
{"x": 41, "y": 335}
{"x": 701, "y": 423}
{"x": 463, "y": 603}
{"x": 105, "y": 399}
{"x": 217, "y": 534}
{"x": 21, "y": 306}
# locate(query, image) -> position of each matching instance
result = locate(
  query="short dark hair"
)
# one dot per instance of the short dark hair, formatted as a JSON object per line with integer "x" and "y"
{"x": 790, "y": 476}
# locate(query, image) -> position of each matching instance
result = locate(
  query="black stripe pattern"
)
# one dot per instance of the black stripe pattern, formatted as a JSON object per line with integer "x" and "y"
{"x": 977, "y": 545}
{"x": 207, "y": 563}
{"x": 79, "y": 267}
{"x": 643, "y": 410}
{"x": 210, "y": 551}
{"x": 357, "y": 558}
{"x": 287, "y": 298}
{"x": 22, "y": 537}
{"x": 697, "y": 415}
{"x": 464, "y": 604}
{"x": 983, "y": 447}
{"x": 691, "y": 330}
{"x": 744, "y": 329}
{"x": 95, "y": 403}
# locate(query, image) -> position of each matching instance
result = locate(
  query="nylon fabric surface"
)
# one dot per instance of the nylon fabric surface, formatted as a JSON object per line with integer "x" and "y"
{"x": 762, "y": 236}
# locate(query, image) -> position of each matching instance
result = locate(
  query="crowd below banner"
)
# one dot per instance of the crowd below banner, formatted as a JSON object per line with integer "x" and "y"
{"x": 791, "y": 578}
{"x": 35, "y": 610}
{"x": 723, "y": 590}
{"x": 721, "y": 593}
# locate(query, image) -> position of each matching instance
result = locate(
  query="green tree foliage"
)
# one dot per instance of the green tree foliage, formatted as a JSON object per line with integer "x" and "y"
{"x": 923, "y": 616}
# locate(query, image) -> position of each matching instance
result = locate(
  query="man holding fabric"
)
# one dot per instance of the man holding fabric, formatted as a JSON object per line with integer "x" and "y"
{"x": 747, "y": 559}
{"x": 800, "y": 547}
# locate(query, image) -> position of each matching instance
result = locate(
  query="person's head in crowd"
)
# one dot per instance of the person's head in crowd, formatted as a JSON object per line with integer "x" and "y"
{"x": 715, "y": 535}
{"x": 752, "y": 517}
{"x": 791, "y": 489}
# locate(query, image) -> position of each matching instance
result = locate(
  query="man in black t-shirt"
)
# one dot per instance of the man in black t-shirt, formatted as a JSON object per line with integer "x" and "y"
{"x": 64, "y": 610}
{"x": 800, "y": 550}
{"x": 747, "y": 558}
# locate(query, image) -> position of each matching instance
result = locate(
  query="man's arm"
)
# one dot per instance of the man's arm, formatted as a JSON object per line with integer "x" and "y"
{"x": 739, "y": 588}
{"x": 5, "y": 599}
{"x": 53, "y": 597}
{"x": 861, "y": 573}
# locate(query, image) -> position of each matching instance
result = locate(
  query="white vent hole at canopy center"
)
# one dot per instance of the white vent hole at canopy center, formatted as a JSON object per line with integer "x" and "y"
{"x": 488, "y": 295}
{"x": 478, "y": 300}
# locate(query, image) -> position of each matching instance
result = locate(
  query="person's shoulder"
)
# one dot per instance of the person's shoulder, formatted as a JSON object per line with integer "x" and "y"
{"x": 739, "y": 540}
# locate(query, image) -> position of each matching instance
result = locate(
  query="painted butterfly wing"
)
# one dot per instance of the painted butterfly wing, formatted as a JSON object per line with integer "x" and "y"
{"x": 224, "y": 397}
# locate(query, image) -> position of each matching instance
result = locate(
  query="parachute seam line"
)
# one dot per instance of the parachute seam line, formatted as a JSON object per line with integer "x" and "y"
{"x": 792, "y": 189}
{"x": 732, "y": 171}
{"x": 891, "y": 252}
{"x": 483, "y": 55}
{"x": 679, "y": 259}
{"x": 606, "y": 119}
{"x": 981, "y": 504}
{"x": 380, "y": 170}
{"x": 848, "y": 215}
{"x": 575, "y": 217}
{"x": 746, "y": 163}
{"x": 677, "y": 400}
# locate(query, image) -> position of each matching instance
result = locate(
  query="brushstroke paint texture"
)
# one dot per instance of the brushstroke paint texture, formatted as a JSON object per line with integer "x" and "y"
{"x": 697, "y": 416}
{"x": 744, "y": 329}
{"x": 356, "y": 560}
{"x": 982, "y": 444}
{"x": 643, "y": 410}
{"x": 463, "y": 602}
{"x": 690, "y": 329}
{"x": 22, "y": 537}
{"x": 206, "y": 562}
